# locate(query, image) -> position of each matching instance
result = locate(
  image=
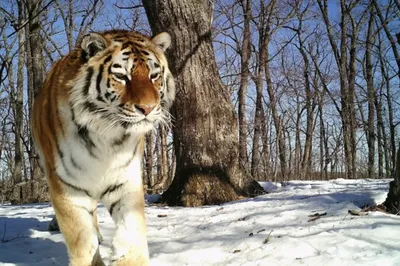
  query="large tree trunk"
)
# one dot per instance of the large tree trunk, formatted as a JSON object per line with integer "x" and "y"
{"x": 392, "y": 202}
{"x": 380, "y": 134}
{"x": 35, "y": 72}
{"x": 371, "y": 96}
{"x": 205, "y": 137}
{"x": 18, "y": 105}
{"x": 244, "y": 81}
{"x": 259, "y": 113}
{"x": 163, "y": 179}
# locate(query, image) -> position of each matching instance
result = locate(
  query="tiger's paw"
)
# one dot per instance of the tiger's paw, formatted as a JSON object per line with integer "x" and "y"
{"x": 131, "y": 260}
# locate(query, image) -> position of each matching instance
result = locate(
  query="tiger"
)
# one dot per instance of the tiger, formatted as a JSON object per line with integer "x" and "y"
{"x": 89, "y": 121}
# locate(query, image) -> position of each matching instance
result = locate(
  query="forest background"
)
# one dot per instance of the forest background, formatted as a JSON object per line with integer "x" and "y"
{"x": 315, "y": 85}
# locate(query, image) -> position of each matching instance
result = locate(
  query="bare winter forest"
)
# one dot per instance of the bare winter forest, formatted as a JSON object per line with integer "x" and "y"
{"x": 315, "y": 84}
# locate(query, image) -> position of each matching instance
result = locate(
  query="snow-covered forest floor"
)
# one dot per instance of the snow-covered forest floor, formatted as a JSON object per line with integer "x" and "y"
{"x": 287, "y": 226}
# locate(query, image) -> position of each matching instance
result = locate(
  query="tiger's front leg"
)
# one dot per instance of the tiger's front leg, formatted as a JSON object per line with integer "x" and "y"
{"x": 74, "y": 211}
{"x": 126, "y": 206}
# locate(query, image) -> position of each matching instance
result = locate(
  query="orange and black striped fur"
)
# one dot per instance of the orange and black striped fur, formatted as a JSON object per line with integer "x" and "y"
{"x": 89, "y": 121}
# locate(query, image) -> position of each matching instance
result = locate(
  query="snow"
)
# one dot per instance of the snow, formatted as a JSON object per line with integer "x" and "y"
{"x": 273, "y": 229}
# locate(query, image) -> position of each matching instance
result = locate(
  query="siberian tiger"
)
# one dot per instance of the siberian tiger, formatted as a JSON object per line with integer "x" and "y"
{"x": 89, "y": 122}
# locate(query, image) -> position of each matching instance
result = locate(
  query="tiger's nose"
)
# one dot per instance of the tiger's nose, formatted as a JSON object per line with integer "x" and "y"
{"x": 144, "y": 108}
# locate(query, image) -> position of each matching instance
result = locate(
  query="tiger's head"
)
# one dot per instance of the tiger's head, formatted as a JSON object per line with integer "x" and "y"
{"x": 125, "y": 82}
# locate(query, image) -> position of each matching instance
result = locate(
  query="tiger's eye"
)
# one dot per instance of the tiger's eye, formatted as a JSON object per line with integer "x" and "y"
{"x": 119, "y": 76}
{"x": 155, "y": 76}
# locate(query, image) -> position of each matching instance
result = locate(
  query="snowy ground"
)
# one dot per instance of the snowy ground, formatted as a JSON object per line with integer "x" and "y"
{"x": 269, "y": 230}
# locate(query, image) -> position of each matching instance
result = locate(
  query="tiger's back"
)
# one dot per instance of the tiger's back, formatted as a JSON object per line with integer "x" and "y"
{"x": 46, "y": 123}
{"x": 89, "y": 120}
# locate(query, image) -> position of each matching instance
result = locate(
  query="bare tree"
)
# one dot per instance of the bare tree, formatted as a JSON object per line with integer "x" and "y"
{"x": 370, "y": 94}
{"x": 14, "y": 47}
{"x": 310, "y": 104}
{"x": 18, "y": 100}
{"x": 244, "y": 80}
{"x": 272, "y": 16}
{"x": 35, "y": 70}
{"x": 346, "y": 63}
{"x": 88, "y": 12}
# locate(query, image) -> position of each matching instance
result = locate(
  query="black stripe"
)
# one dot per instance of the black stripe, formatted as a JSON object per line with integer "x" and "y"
{"x": 100, "y": 99}
{"x": 125, "y": 124}
{"x": 75, "y": 187}
{"x": 113, "y": 206}
{"x": 88, "y": 81}
{"x": 139, "y": 45}
{"x": 121, "y": 35}
{"x": 120, "y": 141}
{"x": 91, "y": 107}
{"x": 111, "y": 189}
{"x": 126, "y": 79}
{"x": 72, "y": 113}
{"x": 83, "y": 133}
{"x": 98, "y": 80}
{"x": 75, "y": 164}
{"x": 61, "y": 154}
{"x": 156, "y": 65}
{"x": 98, "y": 83}
{"x": 107, "y": 95}
{"x": 108, "y": 59}
{"x": 117, "y": 65}
{"x": 125, "y": 45}
{"x": 84, "y": 57}
{"x": 128, "y": 162}
{"x": 127, "y": 53}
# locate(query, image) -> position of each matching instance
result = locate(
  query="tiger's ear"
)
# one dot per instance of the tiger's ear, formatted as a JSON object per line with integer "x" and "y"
{"x": 162, "y": 40}
{"x": 93, "y": 43}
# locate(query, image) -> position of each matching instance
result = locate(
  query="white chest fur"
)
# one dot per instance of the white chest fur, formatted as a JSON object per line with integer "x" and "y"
{"x": 93, "y": 162}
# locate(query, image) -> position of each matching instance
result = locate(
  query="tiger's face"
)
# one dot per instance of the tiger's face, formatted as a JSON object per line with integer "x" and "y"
{"x": 127, "y": 82}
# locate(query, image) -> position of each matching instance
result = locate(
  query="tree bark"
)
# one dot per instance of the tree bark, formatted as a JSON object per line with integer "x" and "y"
{"x": 259, "y": 82}
{"x": 205, "y": 137}
{"x": 277, "y": 122}
{"x": 389, "y": 99}
{"x": 162, "y": 160}
{"x": 35, "y": 72}
{"x": 309, "y": 103}
{"x": 244, "y": 81}
{"x": 371, "y": 96}
{"x": 392, "y": 202}
{"x": 19, "y": 102}
{"x": 380, "y": 135}
{"x": 149, "y": 160}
